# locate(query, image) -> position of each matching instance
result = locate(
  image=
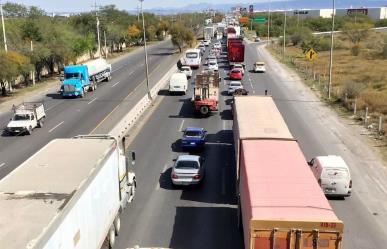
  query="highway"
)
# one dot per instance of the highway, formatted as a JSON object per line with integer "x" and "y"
{"x": 205, "y": 216}
{"x": 98, "y": 112}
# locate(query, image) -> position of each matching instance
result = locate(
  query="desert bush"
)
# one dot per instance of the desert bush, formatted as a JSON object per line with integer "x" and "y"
{"x": 353, "y": 89}
{"x": 355, "y": 49}
{"x": 376, "y": 101}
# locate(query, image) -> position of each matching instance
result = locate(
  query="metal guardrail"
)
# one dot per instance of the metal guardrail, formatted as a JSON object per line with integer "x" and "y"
{"x": 339, "y": 31}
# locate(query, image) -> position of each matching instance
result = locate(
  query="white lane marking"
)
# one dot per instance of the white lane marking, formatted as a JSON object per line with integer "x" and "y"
{"x": 224, "y": 124}
{"x": 115, "y": 84}
{"x": 181, "y": 125}
{"x": 56, "y": 127}
{"x": 254, "y": 91}
{"x": 1, "y": 165}
{"x": 162, "y": 172}
{"x": 92, "y": 100}
{"x": 380, "y": 185}
{"x": 116, "y": 69}
{"x": 224, "y": 181}
{"x": 131, "y": 73}
{"x": 52, "y": 106}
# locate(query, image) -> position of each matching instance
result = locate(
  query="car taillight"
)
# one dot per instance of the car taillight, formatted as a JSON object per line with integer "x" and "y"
{"x": 197, "y": 177}
{"x": 174, "y": 176}
{"x": 319, "y": 182}
{"x": 350, "y": 184}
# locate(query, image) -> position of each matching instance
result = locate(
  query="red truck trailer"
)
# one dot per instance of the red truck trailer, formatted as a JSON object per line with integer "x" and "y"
{"x": 235, "y": 51}
{"x": 280, "y": 204}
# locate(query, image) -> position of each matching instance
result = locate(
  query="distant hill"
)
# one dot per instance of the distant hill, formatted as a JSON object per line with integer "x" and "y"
{"x": 290, "y": 4}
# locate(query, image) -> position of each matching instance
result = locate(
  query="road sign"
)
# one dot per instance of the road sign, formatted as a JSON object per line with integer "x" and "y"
{"x": 244, "y": 20}
{"x": 311, "y": 54}
{"x": 251, "y": 9}
{"x": 259, "y": 19}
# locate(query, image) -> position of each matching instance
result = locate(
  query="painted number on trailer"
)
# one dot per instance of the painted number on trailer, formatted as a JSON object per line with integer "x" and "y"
{"x": 328, "y": 225}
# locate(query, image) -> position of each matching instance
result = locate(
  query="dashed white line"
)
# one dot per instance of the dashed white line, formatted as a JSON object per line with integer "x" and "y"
{"x": 115, "y": 84}
{"x": 2, "y": 164}
{"x": 92, "y": 100}
{"x": 181, "y": 125}
{"x": 380, "y": 185}
{"x": 53, "y": 106}
{"x": 116, "y": 69}
{"x": 56, "y": 127}
{"x": 163, "y": 171}
{"x": 131, "y": 73}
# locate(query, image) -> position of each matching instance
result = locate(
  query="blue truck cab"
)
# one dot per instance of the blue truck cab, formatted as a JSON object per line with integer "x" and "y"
{"x": 193, "y": 138}
{"x": 76, "y": 81}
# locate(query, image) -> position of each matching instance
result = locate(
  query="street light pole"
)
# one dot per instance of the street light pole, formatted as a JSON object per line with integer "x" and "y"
{"x": 331, "y": 52}
{"x": 284, "y": 43}
{"x": 4, "y": 36}
{"x": 146, "y": 53}
{"x": 33, "y": 70}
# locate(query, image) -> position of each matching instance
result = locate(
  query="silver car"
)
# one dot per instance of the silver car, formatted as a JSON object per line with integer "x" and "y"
{"x": 234, "y": 85}
{"x": 187, "y": 170}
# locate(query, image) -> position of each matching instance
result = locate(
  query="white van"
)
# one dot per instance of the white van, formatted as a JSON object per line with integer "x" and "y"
{"x": 178, "y": 83}
{"x": 333, "y": 175}
{"x": 193, "y": 58}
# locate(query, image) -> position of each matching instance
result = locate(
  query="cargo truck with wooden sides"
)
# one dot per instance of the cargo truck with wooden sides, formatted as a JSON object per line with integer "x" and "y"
{"x": 280, "y": 204}
{"x": 206, "y": 92}
{"x": 70, "y": 194}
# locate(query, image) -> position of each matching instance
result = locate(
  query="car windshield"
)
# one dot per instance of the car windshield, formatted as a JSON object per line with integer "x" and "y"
{"x": 19, "y": 117}
{"x": 192, "y": 134}
{"x": 187, "y": 165}
{"x": 192, "y": 55}
{"x": 72, "y": 76}
{"x": 212, "y": 63}
{"x": 235, "y": 71}
{"x": 235, "y": 84}
{"x": 184, "y": 69}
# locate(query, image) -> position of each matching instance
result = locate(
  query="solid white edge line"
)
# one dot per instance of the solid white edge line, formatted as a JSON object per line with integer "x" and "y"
{"x": 92, "y": 100}
{"x": 56, "y": 127}
{"x": 115, "y": 84}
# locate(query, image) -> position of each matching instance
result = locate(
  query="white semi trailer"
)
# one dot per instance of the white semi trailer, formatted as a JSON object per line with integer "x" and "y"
{"x": 69, "y": 194}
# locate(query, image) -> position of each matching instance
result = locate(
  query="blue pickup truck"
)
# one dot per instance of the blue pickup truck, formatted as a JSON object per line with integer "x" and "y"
{"x": 193, "y": 138}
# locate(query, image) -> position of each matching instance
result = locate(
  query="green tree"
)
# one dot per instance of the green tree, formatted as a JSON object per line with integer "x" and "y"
{"x": 181, "y": 36}
{"x": 356, "y": 32}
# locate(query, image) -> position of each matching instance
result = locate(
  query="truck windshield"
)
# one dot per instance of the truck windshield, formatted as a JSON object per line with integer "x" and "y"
{"x": 187, "y": 165}
{"x": 192, "y": 55}
{"x": 18, "y": 117}
{"x": 72, "y": 76}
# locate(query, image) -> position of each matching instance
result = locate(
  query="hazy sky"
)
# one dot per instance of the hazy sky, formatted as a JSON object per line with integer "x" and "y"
{"x": 85, "y": 5}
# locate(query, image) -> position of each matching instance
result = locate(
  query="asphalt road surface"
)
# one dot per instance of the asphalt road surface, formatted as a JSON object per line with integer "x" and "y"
{"x": 97, "y": 111}
{"x": 205, "y": 216}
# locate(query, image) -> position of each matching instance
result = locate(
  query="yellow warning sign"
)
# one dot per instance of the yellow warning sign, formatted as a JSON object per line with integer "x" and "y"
{"x": 311, "y": 54}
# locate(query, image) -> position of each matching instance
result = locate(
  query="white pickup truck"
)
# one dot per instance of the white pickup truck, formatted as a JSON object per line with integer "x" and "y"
{"x": 27, "y": 116}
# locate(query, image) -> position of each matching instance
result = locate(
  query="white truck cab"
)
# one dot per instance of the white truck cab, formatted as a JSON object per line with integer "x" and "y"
{"x": 27, "y": 116}
{"x": 332, "y": 173}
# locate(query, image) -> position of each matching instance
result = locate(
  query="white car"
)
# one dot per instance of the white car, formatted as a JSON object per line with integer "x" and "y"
{"x": 213, "y": 66}
{"x": 259, "y": 66}
{"x": 187, "y": 71}
{"x": 212, "y": 58}
{"x": 187, "y": 170}
{"x": 239, "y": 66}
{"x": 218, "y": 45}
{"x": 233, "y": 85}
{"x": 207, "y": 42}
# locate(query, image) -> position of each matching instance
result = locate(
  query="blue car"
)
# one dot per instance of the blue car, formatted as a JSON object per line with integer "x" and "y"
{"x": 193, "y": 138}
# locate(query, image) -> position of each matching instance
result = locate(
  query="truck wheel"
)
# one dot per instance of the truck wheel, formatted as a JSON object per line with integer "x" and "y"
{"x": 117, "y": 225}
{"x": 29, "y": 131}
{"x": 112, "y": 237}
{"x": 204, "y": 110}
{"x": 40, "y": 123}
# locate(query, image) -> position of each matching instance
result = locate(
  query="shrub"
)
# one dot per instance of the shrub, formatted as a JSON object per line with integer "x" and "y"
{"x": 355, "y": 49}
{"x": 352, "y": 89}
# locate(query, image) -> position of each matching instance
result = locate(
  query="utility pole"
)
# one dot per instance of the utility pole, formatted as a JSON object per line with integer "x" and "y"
{"x": 146, "y": 53}
{"x": 138, "y": 13}
{"x": 33, "y": 71}
{"x": 268, "y": 26}
{"x": 4, "y": 36}
{"x": 98, "y": 36}
{"x": 284, "y": 43}
{"x": 331, "y": 53}
{"x": 104, "y": 35}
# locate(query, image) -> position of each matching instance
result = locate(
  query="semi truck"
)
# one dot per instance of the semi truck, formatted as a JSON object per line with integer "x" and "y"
{"x": 235, "y": 51}
{"x": 26, "y": 117}
{"x": 208, "y": 33}
{"x": 70, "y": 194}
{"x": 206, "y": 91}
{"x": 280, "y": 204}
{"x": 81, "y": 78}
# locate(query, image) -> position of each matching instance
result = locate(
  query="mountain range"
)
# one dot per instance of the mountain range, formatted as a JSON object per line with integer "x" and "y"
{"x": 274, "y": 5}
